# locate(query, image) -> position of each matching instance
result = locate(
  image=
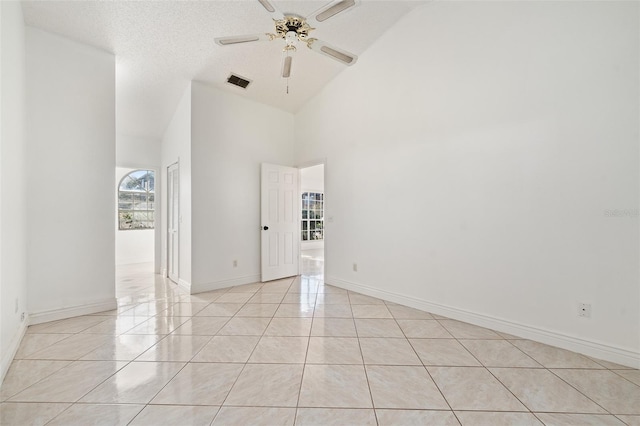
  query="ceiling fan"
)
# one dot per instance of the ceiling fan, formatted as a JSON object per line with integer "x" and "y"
{"x": 293, "y": 29}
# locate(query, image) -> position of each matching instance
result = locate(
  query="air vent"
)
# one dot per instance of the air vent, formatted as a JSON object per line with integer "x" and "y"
{"x": 238, "y": 81}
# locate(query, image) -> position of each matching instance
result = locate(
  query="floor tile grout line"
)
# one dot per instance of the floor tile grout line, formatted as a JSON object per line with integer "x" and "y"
{"x": 304, "y": 365}
{"x": 39, "y": 380}
{"x": 59, "y": 414}
{"x": 92, "y": 389}
{"x": 175, "y": 375}
{"x": 578, "y": 390}
{"x": 488, "y": 370}
{"x": 222, "y": 404}
{"x": 426, "y": 369}
{"x": 107, "y": 378}
{"x": 364, "y": 366}
{"x": 171, "y": 379}
{"x": 491, "y": 372}
{"x": 525, "y": 354}
{"x": 71, "y": 362}
{"x": 617, "y": 416}
{"x": 482, "y": 365}
{"x": 616, "y": 372}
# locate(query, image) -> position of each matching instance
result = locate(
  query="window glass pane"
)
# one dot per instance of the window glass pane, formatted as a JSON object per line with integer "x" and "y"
{"x": 140, "y": 180}
{"x": 312, "y": 214}
{"x": 125, "y": 220}
{"x": 136, "y": 200}
{"x": 125, "y": 183}
{"x": 140, "y": 216}
{"x": 139, "y": 201}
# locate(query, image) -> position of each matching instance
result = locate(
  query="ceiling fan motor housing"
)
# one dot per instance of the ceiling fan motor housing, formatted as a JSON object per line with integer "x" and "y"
{"x": 293, "y": 24}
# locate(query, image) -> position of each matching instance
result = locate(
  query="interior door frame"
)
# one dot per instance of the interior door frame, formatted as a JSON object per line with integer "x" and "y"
{"x": 169, "y": 201}
{"x": 320, "y": 162}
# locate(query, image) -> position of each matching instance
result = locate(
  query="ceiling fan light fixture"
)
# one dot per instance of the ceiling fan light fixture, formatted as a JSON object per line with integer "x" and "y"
{"x": 333, "y": 10}
{"x": 338, "y": 55}
{"x": 267, "y": 6}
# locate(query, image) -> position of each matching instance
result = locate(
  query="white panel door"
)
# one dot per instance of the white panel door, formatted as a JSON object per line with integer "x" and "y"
{"x": 173, "y": 222}
{"x": 280, "y": 223}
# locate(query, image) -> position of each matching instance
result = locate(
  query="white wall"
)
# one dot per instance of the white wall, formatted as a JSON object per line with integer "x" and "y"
{"x": 312, "y": 180}
{"x": 132, "y": 246}
{"x": 231, "y": 137}
{"x": 13, "y": 285}
{"x": 71, "y": 170}
{"x": 473, "y": 163}
{"x": 137, "y": 152}
{"x": 176, "y": 147}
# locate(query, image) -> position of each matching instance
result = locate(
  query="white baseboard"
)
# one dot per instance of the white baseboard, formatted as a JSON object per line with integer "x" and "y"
{"x": 11, "y": 351}
{"x": 593, "y": 349}
{"x": 73, "y": 311}
{"x": 201, "y": 288}
{"x": 184, "y": 285}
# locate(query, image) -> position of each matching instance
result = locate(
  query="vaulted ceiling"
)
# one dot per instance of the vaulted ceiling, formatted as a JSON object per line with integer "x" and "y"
{"x": 161, "y": 45}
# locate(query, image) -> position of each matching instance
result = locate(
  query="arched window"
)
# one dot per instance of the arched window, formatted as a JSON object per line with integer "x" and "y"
{"x": 136, "y": 199}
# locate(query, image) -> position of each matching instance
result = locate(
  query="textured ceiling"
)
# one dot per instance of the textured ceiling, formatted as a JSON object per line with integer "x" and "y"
{"x": 161, "y": 45}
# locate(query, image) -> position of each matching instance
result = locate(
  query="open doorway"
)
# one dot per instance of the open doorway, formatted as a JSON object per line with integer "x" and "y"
{"x": 134, "y": 227}
{"x": 312, "y": 221}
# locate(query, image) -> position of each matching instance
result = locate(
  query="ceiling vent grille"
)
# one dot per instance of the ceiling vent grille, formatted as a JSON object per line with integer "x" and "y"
{"x": 236, "y": 80}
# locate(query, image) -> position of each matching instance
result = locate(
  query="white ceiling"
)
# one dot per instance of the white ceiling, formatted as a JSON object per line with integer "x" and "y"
{"x": 161, "y": 45}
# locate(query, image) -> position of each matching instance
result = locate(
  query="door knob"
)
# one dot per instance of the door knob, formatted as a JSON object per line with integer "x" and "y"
{"x": 265, "y": 228}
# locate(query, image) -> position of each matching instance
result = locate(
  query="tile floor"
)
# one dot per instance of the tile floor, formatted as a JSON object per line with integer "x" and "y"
{"x": 297, "y": 351}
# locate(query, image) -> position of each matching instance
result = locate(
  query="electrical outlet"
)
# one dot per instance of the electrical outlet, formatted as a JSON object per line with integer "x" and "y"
{"x": 235, "y": 263}
{"x": 584, "y": 310}
{"x": 16, "y": 308}
{"x": 355, "y": 267}
{"x": 22, "y": 317}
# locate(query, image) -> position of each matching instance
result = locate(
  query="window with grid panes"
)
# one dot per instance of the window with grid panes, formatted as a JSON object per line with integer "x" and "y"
{"x": 136, "y": 200}
{"x": 312, "y": 216}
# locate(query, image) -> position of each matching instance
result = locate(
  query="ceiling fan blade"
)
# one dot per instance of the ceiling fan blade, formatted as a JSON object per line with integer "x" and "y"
{"x": 269, "y": 6}
{"x": 330, "y": 10}
{"x": 324, "y": 48}
{"x": 225, "y": 41}
{"x": 286, "y": 66}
